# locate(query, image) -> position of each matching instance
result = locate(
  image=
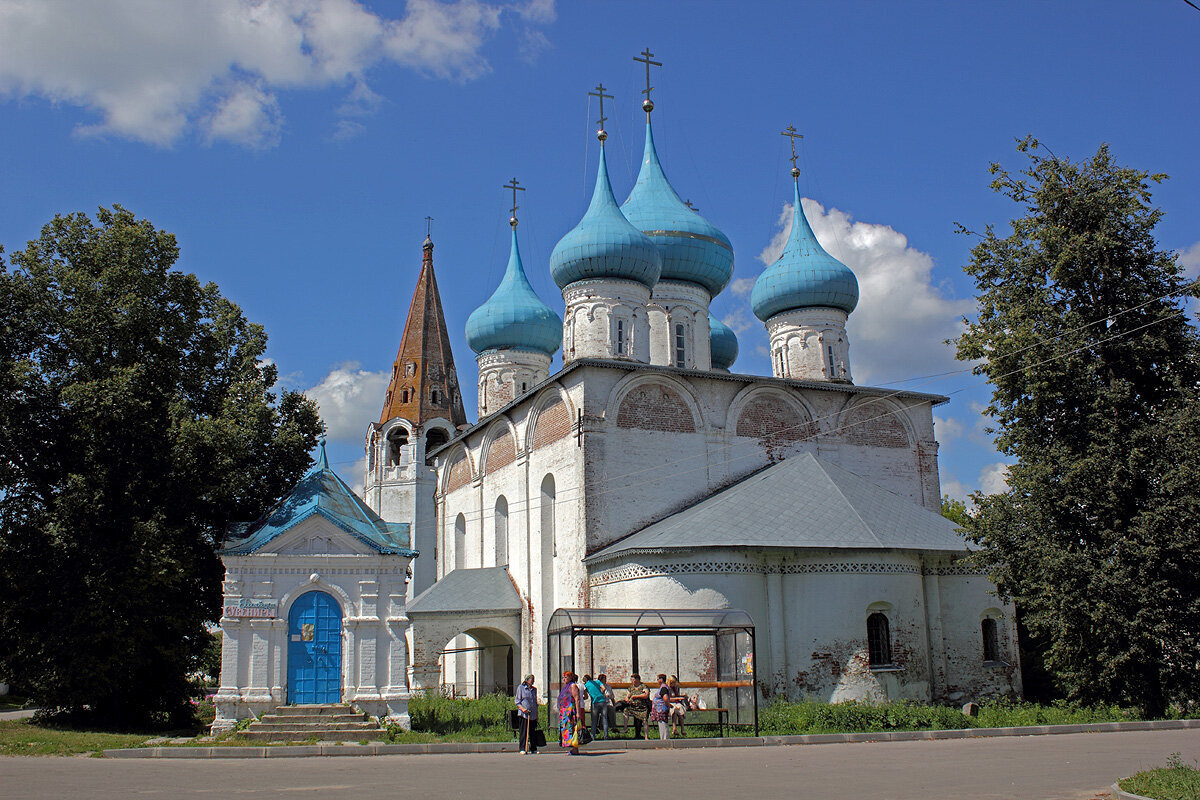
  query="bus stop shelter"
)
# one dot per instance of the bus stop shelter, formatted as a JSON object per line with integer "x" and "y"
{"x": 711, "y": 651}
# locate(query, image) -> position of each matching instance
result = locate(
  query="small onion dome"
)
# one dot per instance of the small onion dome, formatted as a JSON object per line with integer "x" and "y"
{"x": 514, "y": 317}
{"x": 693, "y": 249}
{"x": 604, "y": 244}
{"x": 803, "y": 276}
{"x": 723, "y": 343}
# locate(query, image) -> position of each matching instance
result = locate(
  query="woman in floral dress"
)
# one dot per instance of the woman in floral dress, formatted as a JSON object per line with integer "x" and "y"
{"x": 569, "y": 712}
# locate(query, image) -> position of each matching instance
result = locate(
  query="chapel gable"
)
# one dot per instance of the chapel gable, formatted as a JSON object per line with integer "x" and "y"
{"x": 501, "y": 453}
{"x": 553, "y": 423}
{"x": 775, "y": 419}
{"x": 458, "y": 471}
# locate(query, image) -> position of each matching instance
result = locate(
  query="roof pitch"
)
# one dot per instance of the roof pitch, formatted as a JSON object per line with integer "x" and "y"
{"x": 323, "y": 493}
{"x": 801, "y": 502}
{"x": 466, "y": 590}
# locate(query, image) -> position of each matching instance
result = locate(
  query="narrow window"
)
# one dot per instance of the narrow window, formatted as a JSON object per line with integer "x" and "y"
{"x": 879, "y": 640}
{"x": 404, "y": 396}
{"x": 434, "y": 396}
{"x": 523, "y": 388}
{"x": 829, "y": 353}
{"x": 501, "y": 526}
{"x": 680, "y": 347}
{"x": 991, "y": 642}
{"x": 779, "y": 358}
{"x": 410, "y": 369}
{"x": 620, "y": 337}
{"x": 460, "y": 542}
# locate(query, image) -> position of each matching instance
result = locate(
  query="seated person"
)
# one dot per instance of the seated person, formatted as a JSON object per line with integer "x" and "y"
{"x": 679, "y": 704}
{"x": 637, "y": 705}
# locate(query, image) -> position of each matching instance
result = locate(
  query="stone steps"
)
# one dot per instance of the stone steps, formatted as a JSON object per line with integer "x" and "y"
{"x": 333, "y": 722}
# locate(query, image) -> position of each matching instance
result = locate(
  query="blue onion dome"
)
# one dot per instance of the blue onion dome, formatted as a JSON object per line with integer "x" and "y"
{"x": 604, "y": 244}
{"x": 514, "y": 317}
{"x": 723, "y": 343}
{"x": 803, "y": 276}
{"x": 693, "y": 249}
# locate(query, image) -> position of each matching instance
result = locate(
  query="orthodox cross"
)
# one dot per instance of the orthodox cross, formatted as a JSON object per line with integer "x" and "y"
{"x": 600, "y": 93}
{"x": 428, "y": 226}
{"x": 688, "y": 203}
{"x": 516, "y": 187}
{"x": 791, "y": 134}
{"x": 647, "y": 104}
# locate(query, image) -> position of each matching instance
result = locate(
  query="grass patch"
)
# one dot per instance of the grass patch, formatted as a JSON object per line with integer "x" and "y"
{"x": 20, "y": 737}
{"x": 1175, "y": 781}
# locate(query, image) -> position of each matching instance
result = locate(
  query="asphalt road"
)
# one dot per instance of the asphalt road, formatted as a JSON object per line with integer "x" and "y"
{"x": 1074, "y": 767}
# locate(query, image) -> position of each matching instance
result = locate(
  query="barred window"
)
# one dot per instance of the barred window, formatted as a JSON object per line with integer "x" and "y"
{"x": 879, "y": 640}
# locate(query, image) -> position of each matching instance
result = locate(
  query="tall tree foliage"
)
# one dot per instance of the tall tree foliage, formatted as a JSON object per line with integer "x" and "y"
{"x": 137, "y": 419}
{"x": 1094, "y": 371}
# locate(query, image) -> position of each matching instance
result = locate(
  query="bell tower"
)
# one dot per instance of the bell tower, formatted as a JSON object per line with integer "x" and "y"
{"x": 422, "y": 410}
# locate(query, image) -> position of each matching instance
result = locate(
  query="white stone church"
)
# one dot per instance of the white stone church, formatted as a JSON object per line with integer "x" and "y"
{"x": 644, "y": 474}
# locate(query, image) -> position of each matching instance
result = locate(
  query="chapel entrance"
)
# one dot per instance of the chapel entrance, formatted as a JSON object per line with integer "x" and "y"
{"x": 315, "y": 650}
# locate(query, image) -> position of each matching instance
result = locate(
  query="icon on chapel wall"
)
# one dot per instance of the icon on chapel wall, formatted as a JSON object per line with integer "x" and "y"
{"x": 307, "y": 629}
{"x": 748, "y": 663}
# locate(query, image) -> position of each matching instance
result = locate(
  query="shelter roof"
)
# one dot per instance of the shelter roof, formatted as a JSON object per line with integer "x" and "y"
{"x": 803, "y": 501}
{"x": 468, "y": 590}
{"x": 636, "y": 620}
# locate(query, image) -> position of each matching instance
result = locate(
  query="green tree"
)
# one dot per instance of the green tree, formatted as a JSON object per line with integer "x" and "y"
{"x": 954, "y": 510}
{"x": 137, "y": 419}
{"x": 1094, "y": 369}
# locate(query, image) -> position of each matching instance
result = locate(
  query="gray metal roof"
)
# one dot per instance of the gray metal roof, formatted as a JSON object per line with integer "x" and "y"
{"x": 801, "y": 502}
{"x": 465, "y": 590}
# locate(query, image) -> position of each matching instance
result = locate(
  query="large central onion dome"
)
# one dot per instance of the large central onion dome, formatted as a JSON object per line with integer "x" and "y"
{"x": 514, "y": 317}
{"x": 804, "y": 275}
{"x": 693, "y": 249}
{"x": 604, "y": 244}
{"x": 722, "y": 342}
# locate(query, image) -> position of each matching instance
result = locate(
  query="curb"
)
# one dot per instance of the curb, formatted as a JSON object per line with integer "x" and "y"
{"x": 302, "y": 751}
{"x": 1120, "y": 795}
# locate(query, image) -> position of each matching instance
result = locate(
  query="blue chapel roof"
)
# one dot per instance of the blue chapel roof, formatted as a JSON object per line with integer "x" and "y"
{"x": 321, "y": 493}
{"x": 693, "y": 249}
{"x": 804, "y": 275}
{"x": 514, "y": 316}
{"x": 604, "y": 244}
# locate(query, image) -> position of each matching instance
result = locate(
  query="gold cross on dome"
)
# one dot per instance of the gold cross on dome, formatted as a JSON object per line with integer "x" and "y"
{"x": 428, "y": 226}
{"x": 600, "y": 93}
{"x": 791, "y": 134}
{"x": 516, "y": 187}
{"x": 645, "y": 59}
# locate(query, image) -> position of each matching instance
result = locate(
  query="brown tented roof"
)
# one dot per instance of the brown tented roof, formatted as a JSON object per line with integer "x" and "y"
{"x": 424, "y": 362}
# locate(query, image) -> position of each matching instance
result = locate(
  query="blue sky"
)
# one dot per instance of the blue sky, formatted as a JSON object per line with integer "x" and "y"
{"x": 295, "y": 148}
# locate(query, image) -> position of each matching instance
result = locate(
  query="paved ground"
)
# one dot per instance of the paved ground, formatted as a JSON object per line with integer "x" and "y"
{"x": 24, "y": 713}
{"x": 1065, "y": 767}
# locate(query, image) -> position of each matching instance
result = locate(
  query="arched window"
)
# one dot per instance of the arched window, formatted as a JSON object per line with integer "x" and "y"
{"x": 680, "y": 347}
{"x": 501, "y": 527}
{"x": 371, "y": 445}
{"x": 620, "y": 337}
{"x": 991, "y": 640}
{"x": 460, "y": 542}
{"x": 435, "y": 438}
{"x": 879, "y": 640}
{"x": 435, "y": 396}
{"x": 404, "y": 396}
{"x": 397, "y": 437}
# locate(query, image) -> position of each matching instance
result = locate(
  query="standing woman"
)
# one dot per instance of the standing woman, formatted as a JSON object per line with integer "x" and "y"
{"x": 570, "y": 712}
{"x": 527, "y": 711}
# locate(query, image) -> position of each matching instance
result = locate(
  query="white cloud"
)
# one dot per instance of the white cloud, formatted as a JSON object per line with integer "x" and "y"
{"x": 947, "y": 428}
{"x": 349, "y": 399}
{"x": 903, "y": 317}
{"x": 153, "y": 70}
{"x": 993, "y": 479}
{"x": 354, "y": 476}
{"x": 953, "y": 487}
{"x": 743, "y": 286}
{"x": 740, "y": 320}
{"x": 1189, "y": 259}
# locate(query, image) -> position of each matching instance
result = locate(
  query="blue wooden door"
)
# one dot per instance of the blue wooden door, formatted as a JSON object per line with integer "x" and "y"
{"x": 315, "y": 650}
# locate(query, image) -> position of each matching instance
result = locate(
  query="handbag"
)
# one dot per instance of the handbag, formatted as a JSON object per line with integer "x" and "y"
{"x": 539, "y": 737}
{"x": 585, "y": 735}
